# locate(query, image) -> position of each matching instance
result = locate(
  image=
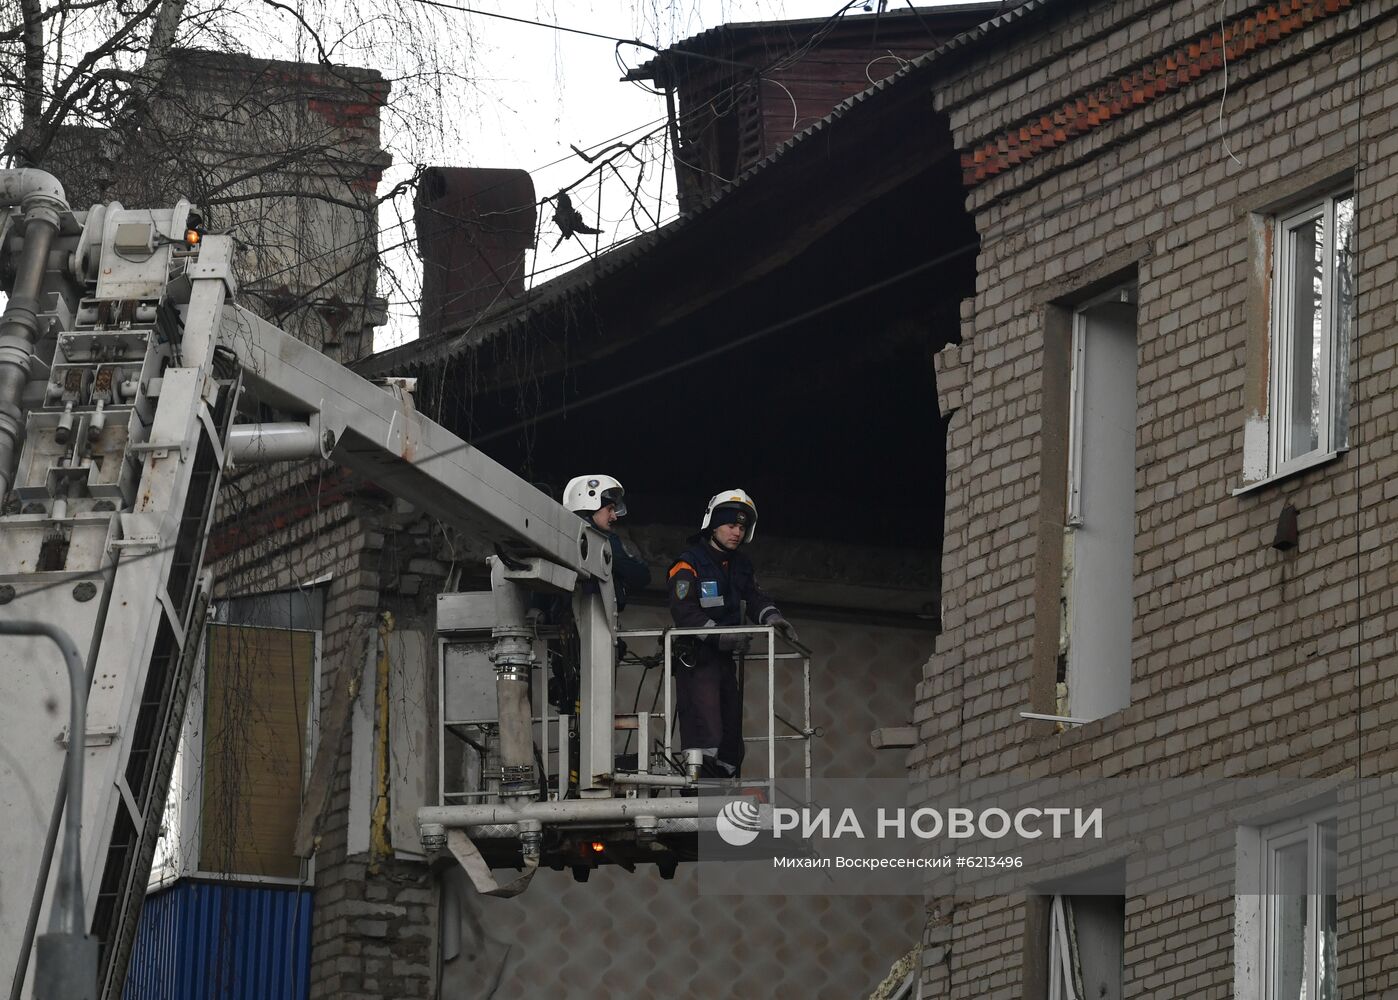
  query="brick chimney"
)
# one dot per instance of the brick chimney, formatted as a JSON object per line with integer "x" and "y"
{"x": 474, "y": 225}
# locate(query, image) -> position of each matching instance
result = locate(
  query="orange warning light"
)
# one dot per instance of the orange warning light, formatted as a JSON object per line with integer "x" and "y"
{"x": 598, "y": 847}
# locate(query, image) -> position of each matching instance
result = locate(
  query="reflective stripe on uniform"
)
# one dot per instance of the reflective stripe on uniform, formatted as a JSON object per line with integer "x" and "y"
{"x": 680, "y": 567}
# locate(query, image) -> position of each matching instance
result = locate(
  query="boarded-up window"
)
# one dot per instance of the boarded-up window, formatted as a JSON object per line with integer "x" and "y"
{"x": 257, "y": 711}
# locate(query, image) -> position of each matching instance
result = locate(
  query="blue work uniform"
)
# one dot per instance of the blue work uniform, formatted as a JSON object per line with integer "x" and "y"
{"x": 707, "y": 588}
{"x": 629, "y": 575}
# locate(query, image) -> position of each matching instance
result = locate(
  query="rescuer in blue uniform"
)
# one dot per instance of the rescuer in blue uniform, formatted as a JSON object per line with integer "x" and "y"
{"x": 602, "y": 500}
{"x": 709, "y": 585}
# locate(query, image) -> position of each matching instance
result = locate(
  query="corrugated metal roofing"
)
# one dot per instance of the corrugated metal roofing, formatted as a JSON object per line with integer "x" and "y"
{"x": 225, "y": 940}
{"x": 449, "y": 345}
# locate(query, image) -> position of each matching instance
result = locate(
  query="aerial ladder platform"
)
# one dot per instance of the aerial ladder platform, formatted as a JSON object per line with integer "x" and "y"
{"x": 130, "y": 380}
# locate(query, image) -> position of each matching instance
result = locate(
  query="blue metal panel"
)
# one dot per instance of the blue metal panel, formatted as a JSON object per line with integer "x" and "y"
{"x": 222, "y": 941}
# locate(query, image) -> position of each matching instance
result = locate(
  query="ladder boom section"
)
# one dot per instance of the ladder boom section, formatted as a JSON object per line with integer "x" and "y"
{"x": 377, "y": 433}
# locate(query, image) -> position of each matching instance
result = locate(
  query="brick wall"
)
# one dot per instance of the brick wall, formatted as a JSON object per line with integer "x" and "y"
{"x": 374, "y": 920}
{"x": 636, "y": 935}
{"x": 1245, "y": 660}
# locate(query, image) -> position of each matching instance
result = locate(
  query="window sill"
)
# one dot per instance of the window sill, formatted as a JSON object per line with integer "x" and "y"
{"x": 1085, "y": 731}
{"x": 1305, "y": 465}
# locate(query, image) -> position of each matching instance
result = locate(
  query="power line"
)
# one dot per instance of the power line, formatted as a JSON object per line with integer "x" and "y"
{"x": 670, "y": 369}
{"x": 783, "y": 60}
{"x": 742, "y": 341}
{"x": 703, "y": 56}
{"x": 537, "y": 24}
{"x": 403, "y": 223}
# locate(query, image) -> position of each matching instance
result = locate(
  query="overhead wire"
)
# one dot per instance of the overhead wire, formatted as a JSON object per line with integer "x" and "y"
{"x": 742, "y": 341}
{"x": 782, "y": 61}
{"x": 1223, "y": 97}
{"x": 1358, "y": 654}
{"x": 695, "y": 359}
{"x": 656, "y": 125}
{"x": 460, "y": 9}
{"x": 700, "y": 357}
{"x": 403, "y": 223}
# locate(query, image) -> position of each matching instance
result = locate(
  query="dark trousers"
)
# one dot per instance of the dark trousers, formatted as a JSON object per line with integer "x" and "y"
{"x": 709, "y": 706}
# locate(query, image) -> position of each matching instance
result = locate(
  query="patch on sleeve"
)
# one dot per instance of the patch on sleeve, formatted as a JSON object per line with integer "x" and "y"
{"x": 681, "y": 589}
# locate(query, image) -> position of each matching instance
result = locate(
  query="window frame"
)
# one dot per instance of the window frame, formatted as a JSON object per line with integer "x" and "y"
{"x": 1080, "y": 385}
{"x": 1125, "y": 293}
{"x": 1282, "y": 336}
{"x": 1317, "y": 830}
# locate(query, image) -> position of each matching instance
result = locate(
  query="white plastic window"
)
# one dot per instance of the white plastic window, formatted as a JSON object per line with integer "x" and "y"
{"x": 1298, "y": 919}
{"x": 1313, "y": 318}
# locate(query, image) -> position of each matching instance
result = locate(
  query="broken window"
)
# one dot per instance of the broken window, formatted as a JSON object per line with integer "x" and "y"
{"x": 259, "y": 694}
{"x": 1094, "y": 675}
{"x": 1087, "y": 947}
{"x": 243, "y": 756}
{"x": 1312, "y": 321}
{"x": 1287, "y": 929}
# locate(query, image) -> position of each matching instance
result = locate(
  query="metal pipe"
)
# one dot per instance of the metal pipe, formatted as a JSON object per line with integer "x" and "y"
{"x": 42, "y": 198}
{"x": 573, "y": 811}
{"x": 513, "y": 657}
{"x": 31, "y": 925}
{"x": 781, "y": 738}
{"x": 693, "y": 762}
{"x": 806, "y": 700}
{"x": 595, "y": 614}
{"x": 64, "y": 430}
{"x": 67, "y": 957}
{"x": 678, "y": 824}
{"x": 655, "y": 780}
{"x": 284, "y": 442}
{"x": 19, "y": 185}
{"x": 771, "y": 707}
{"x": 97, "y": 421}
{"x": 669, "y": 705}
{"x": 565, "y": 769}
{"x": 630, "y": 722}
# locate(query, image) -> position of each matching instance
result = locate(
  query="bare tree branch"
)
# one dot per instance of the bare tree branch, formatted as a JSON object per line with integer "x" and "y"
{"x": 81, "y": 80}
{"x": 259, "y": 195}
{"x": 114, "y": 43}
{"x": 162, "y": 40}
{"x": 315, "y": 36}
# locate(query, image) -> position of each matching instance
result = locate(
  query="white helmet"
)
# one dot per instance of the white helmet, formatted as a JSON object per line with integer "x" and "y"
{"x": 732, "y": 499}
{"x": 588, "y": 493}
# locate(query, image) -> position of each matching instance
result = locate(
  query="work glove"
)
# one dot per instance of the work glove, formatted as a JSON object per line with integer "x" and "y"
{"x": 783, "y": 626}
{"x": 734, "y": 643}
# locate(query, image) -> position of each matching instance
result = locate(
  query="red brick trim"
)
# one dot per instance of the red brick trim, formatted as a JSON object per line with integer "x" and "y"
{"x": 1263, "y": 25}
{"x": 282, "y": 511}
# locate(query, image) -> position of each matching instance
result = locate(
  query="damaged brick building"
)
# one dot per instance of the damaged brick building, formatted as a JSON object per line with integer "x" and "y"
{"x": 1167, "y": 514}
{"x": 322, "y": 569}
{"x": 1027, "y": 368}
